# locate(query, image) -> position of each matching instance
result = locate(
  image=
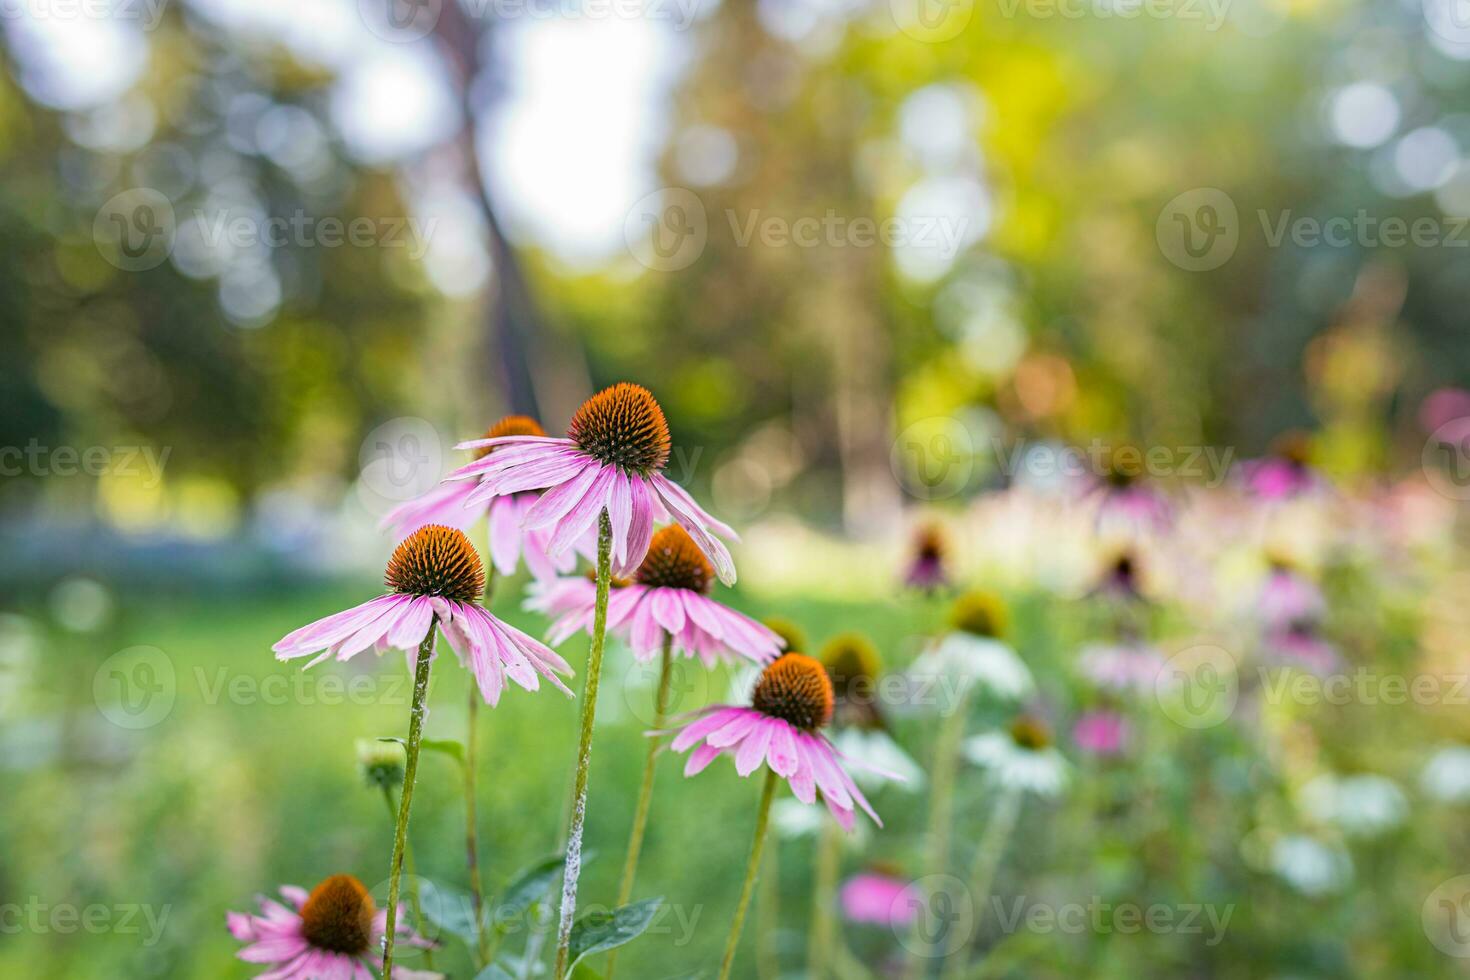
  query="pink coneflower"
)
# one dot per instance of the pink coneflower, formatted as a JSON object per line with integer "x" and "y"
{"x": 1301, "y": 644}
{"x": 1284, "y": 473}
{"x": 510, "y": 541}
{"x": 1288, "y": 597}
{"x": 1102, "y": 733}
{"x": 334, "y": 933}
{"x": 879, "y": 899}
{"x": 791, "y": 702}
{"x": 1124, "y": 667}
{"x": 434, "y": 574}
{"x": 1121, "y": 579}
{"x": 612, "y": 458}
{"x": 1446, "y": 406}
{"x": 1127, "y": 502}
{"x": 668, "y": 596}
{"x": 926, "y": 570}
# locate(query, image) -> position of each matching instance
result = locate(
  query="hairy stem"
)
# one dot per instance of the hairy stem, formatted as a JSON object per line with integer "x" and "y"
{"x": 645, "y": 791}
{"x": 413, "y": 878}
{"x": 410, "y": 774}
{"x": 752, "y": 872}
{"x": 573, "y": 869}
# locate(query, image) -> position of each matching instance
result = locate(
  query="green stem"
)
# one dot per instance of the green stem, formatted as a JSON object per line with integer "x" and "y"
{"x": 413, "y": 878}
{"x": 752, "y": 872}
{"x": 941, "y": 806}
{"x": 573, "y": 869}
{"x": 471, "y": 826}
{"x": 410, "y": 774}
{"x": 982, "y": 870}
{"x": 824, "y": 899}
{"x": 645, "y": 791}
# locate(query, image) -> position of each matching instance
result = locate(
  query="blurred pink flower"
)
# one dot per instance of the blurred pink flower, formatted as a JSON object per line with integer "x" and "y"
{"x": 1283, "y": 473}
{"x": 1302, "y": 645}
{"x": 1443, "y": 406}
{"x": 1103, "y": 733}
{"x": 879, "y": 899}
{"x": 1122, "y": 667}
{"x": 1288, "y": 597}
{"x": 926, "y": 570}
{"x": 612, "y": 459}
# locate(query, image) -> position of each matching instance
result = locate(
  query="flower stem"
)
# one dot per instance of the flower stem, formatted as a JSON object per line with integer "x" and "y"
{"x": 410, "y": 774}
{"x": 941, "y": 806}
{"x": 987, "y": 860}
{"x": 573, "y": 869}
{"x": 645, "y": 791}
{"x": 413, "y": 878}
{"x": 471, "y": 822}
{"x": 824, "y": 897}
{"x": 752, "y": 872}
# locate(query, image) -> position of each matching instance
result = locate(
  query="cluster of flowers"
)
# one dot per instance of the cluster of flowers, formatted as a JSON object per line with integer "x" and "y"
{"x": 814, "y": 722}
{"x": 598, "y": 493}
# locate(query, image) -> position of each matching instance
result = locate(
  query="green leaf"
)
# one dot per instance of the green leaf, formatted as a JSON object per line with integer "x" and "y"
{"x": 447, "y": 746}
{"x": 529, "y": 886}
{"x": 597, "y": 932}
{"x": 493, "y": 972}
{"x": 448, "y": 908}
{"x": 584, "y": 972}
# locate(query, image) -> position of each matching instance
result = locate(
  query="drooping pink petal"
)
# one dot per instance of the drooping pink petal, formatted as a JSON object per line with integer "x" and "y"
{"x": 505, "y": 533}
{"x": 444, "y": 504}
{"x": 700, "y": 758}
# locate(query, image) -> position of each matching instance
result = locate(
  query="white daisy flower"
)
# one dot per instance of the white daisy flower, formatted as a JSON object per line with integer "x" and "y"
{"x": 1446, "y": 776}
{"x": 1364, "y": 805}
{"x": 1310, "y": 866}
{"x": 1020, "y": 759}
{"x": 972, "y": 662}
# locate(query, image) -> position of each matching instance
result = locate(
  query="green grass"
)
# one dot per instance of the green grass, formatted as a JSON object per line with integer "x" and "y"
{"x": 250, "y": 781}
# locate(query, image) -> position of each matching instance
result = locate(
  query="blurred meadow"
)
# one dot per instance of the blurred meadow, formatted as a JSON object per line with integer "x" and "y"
{"x": 1137, "y": 325}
